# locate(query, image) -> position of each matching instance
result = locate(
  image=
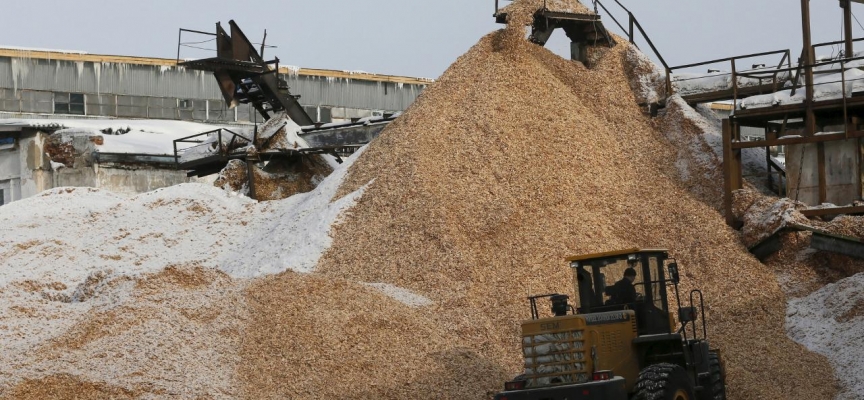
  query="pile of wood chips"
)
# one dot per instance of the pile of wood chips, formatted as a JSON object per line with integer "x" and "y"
{"x": 513, "y": 160}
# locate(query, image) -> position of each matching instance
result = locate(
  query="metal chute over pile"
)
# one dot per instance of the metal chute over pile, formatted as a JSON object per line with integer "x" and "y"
{"x": 281, "y": 150}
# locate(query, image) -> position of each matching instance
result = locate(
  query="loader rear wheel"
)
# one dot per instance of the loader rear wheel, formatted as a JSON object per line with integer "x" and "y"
{"x": 718, "y": 384}
{"x": 663, "y": 382}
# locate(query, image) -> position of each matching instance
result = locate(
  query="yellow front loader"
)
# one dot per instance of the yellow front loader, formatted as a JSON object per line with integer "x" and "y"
{"x": 619, "y": 341}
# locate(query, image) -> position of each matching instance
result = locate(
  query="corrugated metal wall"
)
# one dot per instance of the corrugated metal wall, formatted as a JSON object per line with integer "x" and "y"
{"x": 145, "y": 91}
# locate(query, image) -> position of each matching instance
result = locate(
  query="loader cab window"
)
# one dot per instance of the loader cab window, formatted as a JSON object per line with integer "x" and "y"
{"x": 617, "y": 283}
{"x": 599, "y": 282}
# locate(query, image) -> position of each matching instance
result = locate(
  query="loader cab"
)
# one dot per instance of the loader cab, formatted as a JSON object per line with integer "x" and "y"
{"x": 599, "y": 278}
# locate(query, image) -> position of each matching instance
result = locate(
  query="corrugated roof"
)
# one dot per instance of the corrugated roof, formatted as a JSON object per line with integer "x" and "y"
{"x": 170, "y": 62}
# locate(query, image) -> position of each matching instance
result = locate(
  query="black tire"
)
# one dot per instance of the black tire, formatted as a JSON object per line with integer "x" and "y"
{"x": 663, "y": 382}
{"x": 718, "y": 383}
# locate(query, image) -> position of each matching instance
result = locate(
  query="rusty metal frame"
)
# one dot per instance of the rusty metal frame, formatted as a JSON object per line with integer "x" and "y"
{"x": 239, "y": 68}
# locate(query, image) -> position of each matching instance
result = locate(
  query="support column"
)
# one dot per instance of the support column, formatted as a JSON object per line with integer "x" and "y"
{"x": 251, "y": 159}
{"x": 809, "y": 59}
{"x": 731, "y": 172}
{"x": 847, "y": 26}
{"x": 823, "y": 181}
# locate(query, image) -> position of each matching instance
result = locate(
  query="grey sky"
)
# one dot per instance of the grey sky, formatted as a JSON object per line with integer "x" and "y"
{"x": 398, "y": 37}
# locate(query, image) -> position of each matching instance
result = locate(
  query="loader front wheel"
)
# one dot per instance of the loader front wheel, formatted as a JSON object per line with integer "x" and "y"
{"x": 663, "y": 382}
{"x": 718, "y": 384}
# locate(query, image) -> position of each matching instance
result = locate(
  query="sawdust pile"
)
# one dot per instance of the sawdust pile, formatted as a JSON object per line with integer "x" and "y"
{"x": 63, "y": 386}
{"x": 233, "y": 177}
{"x": 517, "y": 158}
{"x": 278, "y": 180}
{"x": 315, "y": 337}
{"x": 513, "y": 160}
{"x": 172, "y": 333}
{"x": 283, "y": 178}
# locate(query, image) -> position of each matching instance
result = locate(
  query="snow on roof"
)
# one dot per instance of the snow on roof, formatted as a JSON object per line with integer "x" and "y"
{"x": 825, "y": 87}
{"x": 45, "y": 50}
{"x": 143, "y": 136}
{"x": 695, "y": 83}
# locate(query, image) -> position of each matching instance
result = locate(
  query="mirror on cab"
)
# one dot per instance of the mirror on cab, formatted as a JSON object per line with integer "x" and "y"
{"x": 673, "y": 273}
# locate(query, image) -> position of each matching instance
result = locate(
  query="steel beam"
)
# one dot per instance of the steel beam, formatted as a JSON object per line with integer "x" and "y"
{"x": 821, "y": 212}
{"x": 798, "y": 140}
{"x": 837, "y": 244}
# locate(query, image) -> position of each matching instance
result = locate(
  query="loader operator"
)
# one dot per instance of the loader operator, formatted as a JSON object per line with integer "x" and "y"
{"x": 623, "y": 291}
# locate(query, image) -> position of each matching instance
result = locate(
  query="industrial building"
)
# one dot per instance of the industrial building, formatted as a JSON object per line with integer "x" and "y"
{"x": 36, "y": 83}
{"x": 40, "y": 85}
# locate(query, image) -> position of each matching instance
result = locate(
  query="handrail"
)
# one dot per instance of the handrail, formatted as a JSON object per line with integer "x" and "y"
{"x": 222, "y": 148}
{"x": 781, "y": 174}
{"x": 719, "y": 60}
{"x": 633, "y": 22}
{"x": 611, "y": 16}
{"x": 834, "y": 43}
{"x": 771, "y": 74}
{"x": 180, "y": 39}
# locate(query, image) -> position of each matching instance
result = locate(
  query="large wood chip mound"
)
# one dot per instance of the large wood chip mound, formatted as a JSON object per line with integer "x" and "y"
{"x": 513, "y": 160}
{"x": 517, "y": 158}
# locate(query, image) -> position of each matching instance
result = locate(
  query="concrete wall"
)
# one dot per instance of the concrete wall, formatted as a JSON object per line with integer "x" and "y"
{"x": 121, "y": 179}
{"x": 842, "y": 172}
{"x": 24, "y": 168}
{"x": 25, "y": 171}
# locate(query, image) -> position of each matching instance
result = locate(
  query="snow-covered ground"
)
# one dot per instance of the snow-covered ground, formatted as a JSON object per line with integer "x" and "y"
{"x": 65, "y": 235}
{"x": 101, "y": 287}
{"x": 830, "y": 321}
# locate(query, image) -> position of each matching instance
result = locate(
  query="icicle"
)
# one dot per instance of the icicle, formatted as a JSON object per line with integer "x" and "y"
{"x": 97, "y": 72}
{"x": 79, "y": 65}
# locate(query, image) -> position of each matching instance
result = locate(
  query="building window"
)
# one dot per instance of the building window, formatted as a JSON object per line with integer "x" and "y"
{"x": 7, "y": 141}
{"x": 69, "y": 103}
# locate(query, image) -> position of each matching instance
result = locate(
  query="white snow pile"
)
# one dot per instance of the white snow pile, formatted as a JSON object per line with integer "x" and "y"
{"x": 649, "y": 83}
{"x": 67, "y": 234}
{"x": 75, "y": 265}
{"x": 830, "y": 322}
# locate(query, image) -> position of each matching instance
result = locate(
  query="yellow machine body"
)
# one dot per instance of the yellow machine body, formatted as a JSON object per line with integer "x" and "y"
{"x": 567, "y": 350}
